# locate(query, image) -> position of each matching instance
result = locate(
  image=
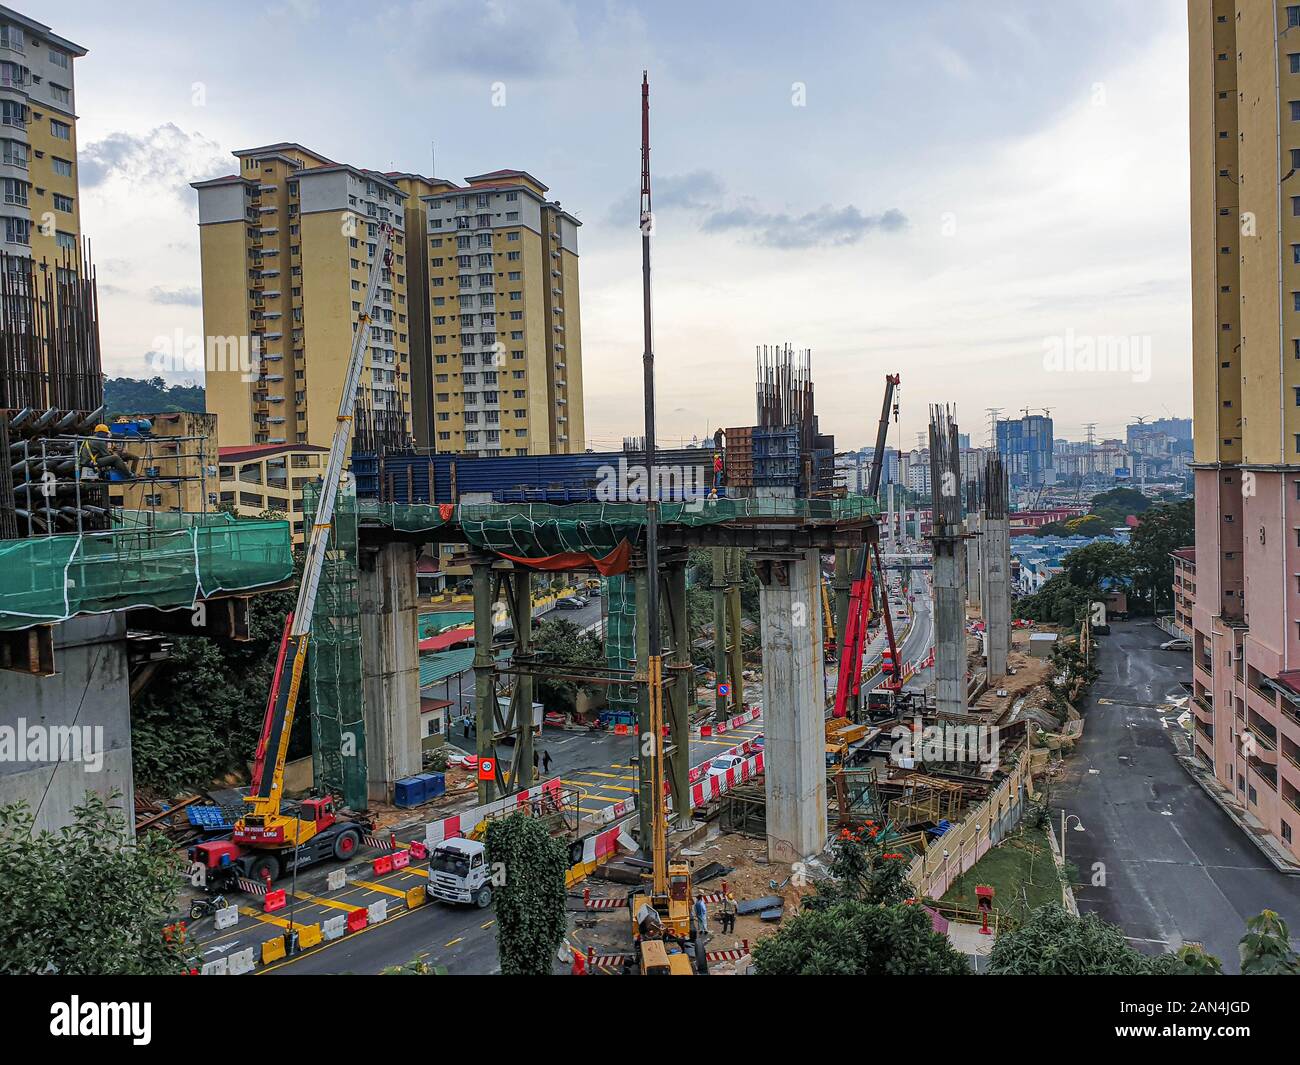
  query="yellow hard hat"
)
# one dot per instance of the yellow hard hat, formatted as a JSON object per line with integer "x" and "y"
{"x": 101, "y": 428}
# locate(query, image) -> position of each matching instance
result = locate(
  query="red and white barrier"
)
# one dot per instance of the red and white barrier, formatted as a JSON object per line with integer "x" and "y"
{"x": 743, "y": 718}
{"x": 714, "y": 785}
{"x": 458, "y": 824}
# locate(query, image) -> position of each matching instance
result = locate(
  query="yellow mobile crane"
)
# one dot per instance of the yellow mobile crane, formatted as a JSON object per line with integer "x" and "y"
{"x": 663, "y": 939}
{"x": 268, "y": 840}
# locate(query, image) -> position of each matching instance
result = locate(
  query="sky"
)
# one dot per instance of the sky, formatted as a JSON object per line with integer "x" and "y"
{"x": 990, "y": 199}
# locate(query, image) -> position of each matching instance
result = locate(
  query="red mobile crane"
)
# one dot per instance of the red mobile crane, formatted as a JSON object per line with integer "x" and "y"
{"x": 864, "y": 589}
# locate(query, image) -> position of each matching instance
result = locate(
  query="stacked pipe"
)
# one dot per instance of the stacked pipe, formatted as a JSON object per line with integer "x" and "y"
{"x": 46, "y": 492}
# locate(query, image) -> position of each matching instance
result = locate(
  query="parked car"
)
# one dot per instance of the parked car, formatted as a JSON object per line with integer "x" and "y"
{"x": 570, "y": 602}
{"x": 719, "y": 766}
{"x": 1178, "y": 644}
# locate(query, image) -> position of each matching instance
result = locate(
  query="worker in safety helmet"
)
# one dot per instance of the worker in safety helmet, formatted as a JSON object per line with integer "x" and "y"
{"x": 98, "y": 453}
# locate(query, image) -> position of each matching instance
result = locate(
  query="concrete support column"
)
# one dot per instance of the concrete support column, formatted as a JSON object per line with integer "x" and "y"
{"x": 974, "y": 545}
{"x": 677, "y": 692}
{"x": 485, "y": 703}
{"x": 390, "y": 665}
{"x": 719, "y": 588}
{"x": 949, "y": 626}
{"x": 794, "y": 716}
{"x": 521, "y": 764}
{"x": 997, "y": 594}
{"x": 735, "y": 653}
{"x": 88, "y": 702}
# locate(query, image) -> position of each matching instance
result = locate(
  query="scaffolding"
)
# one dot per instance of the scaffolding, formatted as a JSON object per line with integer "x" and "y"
{"x": 338, "y": 732}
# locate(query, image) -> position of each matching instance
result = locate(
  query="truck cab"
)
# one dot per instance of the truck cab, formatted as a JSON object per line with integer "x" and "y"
{"x": 459, "y": 872}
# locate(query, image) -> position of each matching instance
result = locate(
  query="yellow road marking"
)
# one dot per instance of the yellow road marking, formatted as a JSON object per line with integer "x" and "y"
{"x": 324, "y": 902}
{"x": 266, "y": 918}
{"x": 454, "y": 941}
{"x": 487, "y": 924}
{"x": 380, "y": 887}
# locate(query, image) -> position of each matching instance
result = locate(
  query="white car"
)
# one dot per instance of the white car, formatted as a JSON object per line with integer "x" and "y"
{"x": 1176, "y": 645}
{"x": 719, "y": 766}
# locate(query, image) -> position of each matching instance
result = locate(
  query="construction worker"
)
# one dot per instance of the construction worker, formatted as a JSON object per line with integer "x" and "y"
{"x": 546, "y": 761}
{"x": 701, "y": 916}
{"x": 97, "y": 453}
{"x": 728, "y": 915}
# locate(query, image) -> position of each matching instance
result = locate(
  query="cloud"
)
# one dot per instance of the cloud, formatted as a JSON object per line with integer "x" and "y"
{"x": 703, "y": 192}
{"x": 166, "y": 157}
{"x": 825, "y": 226}
{"x": 185, "y": 297}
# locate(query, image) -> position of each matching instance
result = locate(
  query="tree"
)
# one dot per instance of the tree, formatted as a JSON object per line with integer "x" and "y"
{"x": 1088, "y": 566}
{"x": 530, "y": 893}
{"x": 863, "y": 872}
{"x": 1087, "y": 525}
{"x": 1059, "y": 602}
{"x": 853, "y": 938}
{"x": 1164, "y": 528}
{"x": 1055, "y": 943}
{"x": 87, "y": 900}
{"x": 1123, "y": 500}
{"x": 563, "y": 643}
{"x": 1265, "y": 949}
{"x": 129, "y": 395}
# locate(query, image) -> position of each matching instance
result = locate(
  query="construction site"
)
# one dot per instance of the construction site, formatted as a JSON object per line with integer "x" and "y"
{"x": 877, "y": 690}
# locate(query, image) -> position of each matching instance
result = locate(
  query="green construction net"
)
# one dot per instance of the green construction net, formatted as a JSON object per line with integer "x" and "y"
{"x": 168, "y": 566}
{"x": 338, "y": 735}
{"x": 536, "y": 530}
{"x": 620, "y": 638}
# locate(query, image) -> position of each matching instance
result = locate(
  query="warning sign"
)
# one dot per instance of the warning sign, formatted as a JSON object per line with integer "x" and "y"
{"x": 724, "y": 689}
{"x": 487, "y": 768}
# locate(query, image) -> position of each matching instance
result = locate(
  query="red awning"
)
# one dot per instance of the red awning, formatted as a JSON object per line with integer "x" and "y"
{"x": 447, "y": 639}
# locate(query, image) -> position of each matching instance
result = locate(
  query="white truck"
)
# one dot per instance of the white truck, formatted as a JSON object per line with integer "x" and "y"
{"x": 459, "y": 872}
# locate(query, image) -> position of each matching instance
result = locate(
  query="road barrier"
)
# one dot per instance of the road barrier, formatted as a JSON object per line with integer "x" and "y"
{"x": 226, "y": 917}
{"x": 458, "y": 824}
{"x": 275, "y": 900}
{"x": 382, "y": 865}
{"x": 242, "y": 962}
{"x": 357, "y": 919}
{"x": 220, "y": 967}
{"x": 334, "y": 927}
{"x": 337, "y": 879}
{"x": 377, "y": 912}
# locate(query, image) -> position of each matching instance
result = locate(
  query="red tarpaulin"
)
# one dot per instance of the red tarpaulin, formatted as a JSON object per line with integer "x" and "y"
{"x": 614, "y": 563}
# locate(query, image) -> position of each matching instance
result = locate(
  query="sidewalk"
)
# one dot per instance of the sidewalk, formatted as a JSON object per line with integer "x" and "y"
{"x": 1251, "y": 825}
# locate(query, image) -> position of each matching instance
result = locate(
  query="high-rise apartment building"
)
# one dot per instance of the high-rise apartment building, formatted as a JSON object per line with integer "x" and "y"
{"x": 40, "y": 212}
{"x": 1245, "y": 204}
{"x": 504, "y": 325}
{"x": 286, "y": 247}
{"x": 1026, "y": 448}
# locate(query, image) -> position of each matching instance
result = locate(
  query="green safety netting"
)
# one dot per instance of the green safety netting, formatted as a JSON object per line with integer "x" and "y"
{"x": 338, "y": 736}
{"x": 620, "y": 638}
{"x": 171, "y": 564}
{"x": 535, "y": 530}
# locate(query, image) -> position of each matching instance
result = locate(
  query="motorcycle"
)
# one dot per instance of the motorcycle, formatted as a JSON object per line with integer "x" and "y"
{"x": 200, "y": 908}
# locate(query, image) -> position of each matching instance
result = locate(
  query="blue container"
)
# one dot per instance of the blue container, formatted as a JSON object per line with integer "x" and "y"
{"x": 435, "y": 785}
{"x": 409, "y": 792}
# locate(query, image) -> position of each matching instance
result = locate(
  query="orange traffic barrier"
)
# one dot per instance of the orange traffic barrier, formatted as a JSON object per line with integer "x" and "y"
{"x": 383, "y": 865}
{"x": 275, "y": 900}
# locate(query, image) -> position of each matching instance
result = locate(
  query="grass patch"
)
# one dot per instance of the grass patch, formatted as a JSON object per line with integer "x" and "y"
{"x": 1020, "y": 869}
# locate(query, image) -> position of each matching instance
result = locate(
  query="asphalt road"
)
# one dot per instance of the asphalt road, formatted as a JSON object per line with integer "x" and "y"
{"x": 1176, "y": 868}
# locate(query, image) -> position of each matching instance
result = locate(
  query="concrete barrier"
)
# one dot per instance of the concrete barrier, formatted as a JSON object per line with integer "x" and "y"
{"x": 377, "y": 911}
{"x": 220, "y": 967}
{"x": 334, "y": 927}
{"x": 226, "y": 917}
{"x": 337, "y": 879}
{"x": 242, "y": 962}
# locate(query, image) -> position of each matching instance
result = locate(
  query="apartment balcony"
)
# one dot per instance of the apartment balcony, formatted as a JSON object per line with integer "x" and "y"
{"x": 1202, "y": 704}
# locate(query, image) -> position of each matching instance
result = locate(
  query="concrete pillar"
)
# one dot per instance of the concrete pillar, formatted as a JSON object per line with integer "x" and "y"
{"x": 794, "y": 716}
{"x": 390, "y": 666}
{"x": 997, "y": 594}
{"x": 949, "y": 626}
{"x": 521, "y": 762}
{"x": 719, "y": 587}
{"x": 735, "y": 653}
{"x": 90, "y": 694}
{"x": 485, "y": 702}
{"x": 973, "y": 550}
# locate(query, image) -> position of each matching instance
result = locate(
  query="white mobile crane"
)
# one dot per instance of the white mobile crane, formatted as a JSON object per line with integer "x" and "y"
{"x": 268, "y": 840}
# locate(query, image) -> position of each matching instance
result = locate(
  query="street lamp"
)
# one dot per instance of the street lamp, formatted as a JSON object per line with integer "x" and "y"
{"x": 1078, "y": 827}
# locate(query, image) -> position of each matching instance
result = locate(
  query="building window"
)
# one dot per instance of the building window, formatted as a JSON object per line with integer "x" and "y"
{"x": 60, "y": 131}
{"x": 63, "y": 203}
{"x": 1292, "y": 15}
{"x": 62, "y": 167}
{"x": 18, "y": 231}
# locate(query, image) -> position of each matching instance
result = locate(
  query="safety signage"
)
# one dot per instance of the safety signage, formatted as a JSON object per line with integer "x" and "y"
{"x": 724, "y": 689}
{"x": 487, "y": 768}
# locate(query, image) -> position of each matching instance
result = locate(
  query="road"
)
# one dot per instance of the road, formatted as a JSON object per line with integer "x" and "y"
{"x": 461, "y": 939}
{"x": 1176, "y": 868}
